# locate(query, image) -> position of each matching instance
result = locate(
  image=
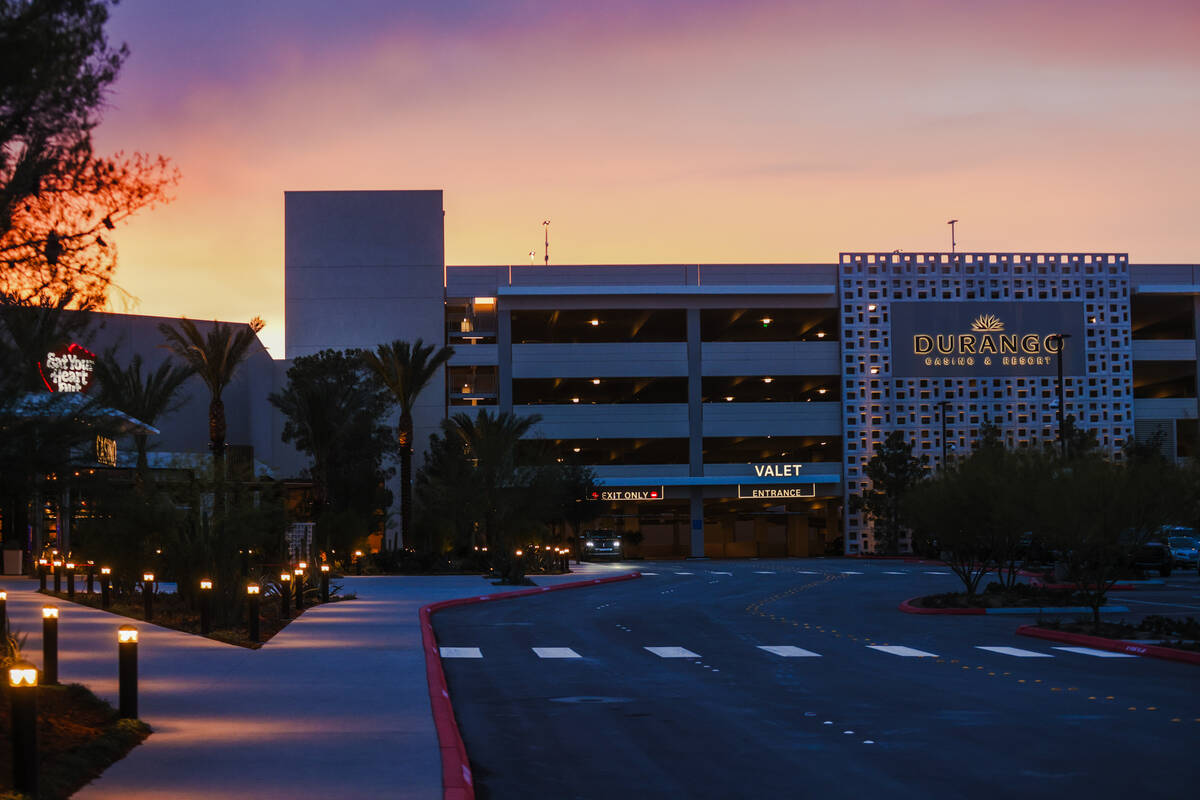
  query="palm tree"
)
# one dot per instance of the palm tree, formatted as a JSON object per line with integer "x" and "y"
{"x": 405, "y": 369}
{"x": 144, "y": 397}
{"x": 490, "y": 442}
{"x": 215, "y": 358}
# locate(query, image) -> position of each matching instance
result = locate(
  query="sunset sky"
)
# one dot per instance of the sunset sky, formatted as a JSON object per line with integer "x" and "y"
{"x": 657, "y": 131}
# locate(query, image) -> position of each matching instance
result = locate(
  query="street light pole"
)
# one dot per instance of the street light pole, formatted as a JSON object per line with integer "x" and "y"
{"x": 942, "y": 406}
{"x": 1061, "y": 338}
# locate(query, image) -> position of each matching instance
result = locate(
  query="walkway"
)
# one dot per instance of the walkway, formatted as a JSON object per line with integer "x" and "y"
{"x": 335, "y": 705}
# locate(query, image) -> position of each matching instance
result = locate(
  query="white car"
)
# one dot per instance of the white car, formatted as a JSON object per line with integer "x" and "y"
{"x": 1185, "y": 550}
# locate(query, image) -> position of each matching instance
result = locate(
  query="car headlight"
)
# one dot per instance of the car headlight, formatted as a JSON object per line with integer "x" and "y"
{"x": 616, "y": 544}
{"x": 590, "y": 544}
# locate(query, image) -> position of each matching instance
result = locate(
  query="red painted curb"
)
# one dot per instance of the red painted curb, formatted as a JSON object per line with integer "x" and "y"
{"x": 908, "y": 608}
{"x": 457, "y": 783}
{"x": 1115, "y": 645}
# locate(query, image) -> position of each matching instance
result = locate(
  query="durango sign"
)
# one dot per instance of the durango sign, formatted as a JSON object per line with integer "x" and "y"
{"x": 985, "y": 339}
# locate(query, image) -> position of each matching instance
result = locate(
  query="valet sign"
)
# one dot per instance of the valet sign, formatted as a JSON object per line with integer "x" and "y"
{"x": 986, "y": 339}
{"x": 68, "y": 369}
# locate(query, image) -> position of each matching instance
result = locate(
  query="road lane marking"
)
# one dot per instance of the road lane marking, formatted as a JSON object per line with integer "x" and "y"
{"x": 763, "y": 572}
{"x": 806, "y": 572}
{"x": 461, "y": 652}
{"x": 655, "y": 574}
{"x": 788, "y": 651}
{"x": 556, "y": 652}
{"x": 898, "y": 650}
{"x": 720, "y": 573}
{"x": 929, "y": 572}
{"x": 850, "y": 572}
{"x": 673, "y": 652}
{"x": 685, "y": 573}
{"x": 1014, "y": 651}
{"x": 1087, "y": 651}
{"x": 895, "y": 573}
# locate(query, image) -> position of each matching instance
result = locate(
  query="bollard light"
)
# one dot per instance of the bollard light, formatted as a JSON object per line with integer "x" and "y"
{"x": 22, "y": 688}
{"x": 43, "y": 565}
{"x": 520, "y": 553}
{"x": 105, "y": 581}
{"x": 56, "y": 566}
{"x": 324, "y": 583}
{"x": 299, "y": 589}
{"x": 302, "y": 565}
{"x": 3, "y": 613}
{"x": 50, "y": 644}
{"x": 252, "y": 595}
{"x": 127, "y": 671}
{"x": 91, "y": 576}
{"x": 358, "y": 556}
{"x": 285, "y": 590}
{"x": 148, "y": 595}
{"x": 71, "y": 579}
{"x": 205, "y": 606}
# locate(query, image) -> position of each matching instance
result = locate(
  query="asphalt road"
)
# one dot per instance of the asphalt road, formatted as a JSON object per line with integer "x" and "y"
{"x": 824, "y": 714}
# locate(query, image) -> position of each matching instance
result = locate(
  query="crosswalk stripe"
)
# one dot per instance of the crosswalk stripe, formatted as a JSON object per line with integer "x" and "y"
{"x": 895, "y": 573}
{"x": 673, "y": 652}
{"x": 850, "y": 572}
{"x": 461, "y": 652}
{"x": 1087, "y": 651}
{"x": 655, "y": 574}
{"x": 720, "y": 573}
{"x": 556, "y": 652}
{"x": 930, "y": 572}
{"x": 763, "y": 572}
{"x": 788, "y": 651}
{"x": 806, "y": 572}
{"x": 685, "y": 573}
{"x": 1014, "y": 651}
{"x": 898, "y": 650}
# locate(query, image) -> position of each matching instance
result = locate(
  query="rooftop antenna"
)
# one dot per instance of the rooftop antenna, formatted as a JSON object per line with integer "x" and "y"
{"x": 546, "y": 225}
{"x": 951, "y": 223}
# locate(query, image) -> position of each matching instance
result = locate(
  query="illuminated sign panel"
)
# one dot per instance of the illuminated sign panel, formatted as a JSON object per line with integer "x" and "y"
{"x": 106, "y": 451}
{"x": 641, "y": 494}
{"x": 985, "y": 339}
{"x": 776, "y": 492}
{"x": 68, "y": 369}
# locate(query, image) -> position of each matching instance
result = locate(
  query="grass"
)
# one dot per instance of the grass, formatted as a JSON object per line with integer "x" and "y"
{"x": 79, "y": 736}
{"x": 170, "y": 611}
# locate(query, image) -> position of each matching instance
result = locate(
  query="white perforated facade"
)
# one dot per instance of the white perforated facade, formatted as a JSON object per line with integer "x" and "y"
{"x": 876, "y": 402}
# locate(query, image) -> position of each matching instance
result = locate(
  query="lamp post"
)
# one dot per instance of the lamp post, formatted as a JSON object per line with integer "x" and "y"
{"x": 285, "y": 589}
{"x": 205, "y": 606}
{"x": 148, "y": 594}
{"x": 252, "y": 594}
{"x": 71, "y": 580}
{"x": 23, "y": 689}
{"x": 50, "y": 644}
{"x": 127, "y": 671}
{"x": 105, "y": 581}
{"x": 942, "y": 406}
{"x": 324, "y": 583}
{"x": 1061, "y": 338}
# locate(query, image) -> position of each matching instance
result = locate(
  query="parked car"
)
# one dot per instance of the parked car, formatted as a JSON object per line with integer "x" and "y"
{"x": 601, "y": 543}
{"x": 1154, "y": 555}
{"x": 1185, "y": 547}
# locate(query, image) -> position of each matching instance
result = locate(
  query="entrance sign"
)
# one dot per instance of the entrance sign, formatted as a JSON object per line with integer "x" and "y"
{"x": 68, "y": 369}
{"x": 776, "y": 492}
{"x": 986, "y": 339}
{"x": 640, "y": 495}
{"x": 106, "y": 451}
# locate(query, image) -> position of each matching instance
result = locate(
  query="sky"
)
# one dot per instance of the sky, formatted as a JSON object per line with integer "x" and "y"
{"x": 656, "y": 132}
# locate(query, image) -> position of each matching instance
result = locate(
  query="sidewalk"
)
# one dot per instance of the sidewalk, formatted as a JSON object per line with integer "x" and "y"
{"x": 335, "y": 705}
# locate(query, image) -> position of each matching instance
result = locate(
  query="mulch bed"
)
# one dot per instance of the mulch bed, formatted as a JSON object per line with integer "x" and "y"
{"x": 170, "y": 611}
{"x": 79, "y": 736}
{"x": 1022, "y": 596}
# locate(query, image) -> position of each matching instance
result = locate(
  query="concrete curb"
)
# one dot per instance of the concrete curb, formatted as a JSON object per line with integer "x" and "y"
{"x": 1115, "y": 645}
{"x": 457, "y": 782}
{"x": 908, "y": 608}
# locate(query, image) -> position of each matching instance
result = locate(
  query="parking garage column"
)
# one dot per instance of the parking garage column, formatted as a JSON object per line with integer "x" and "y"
{"x": 695, "y": 433}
